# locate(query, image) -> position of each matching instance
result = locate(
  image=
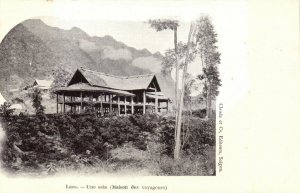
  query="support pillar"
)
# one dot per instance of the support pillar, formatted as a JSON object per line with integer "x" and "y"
{"x": 110, "y": 103}
{"x": 144, "y": 102}
{"x": 64, "y": 105}
{"x": 101, "y": 106}
{"x": 119, "y": 105}
{"x": 167, "y": 106}
{"x": 81, "y": 102}
{"x": 158, "y": 104}
{"x": 156, "y": 101}
{"x": 132, "y": 107}
{"x": 96, "y": 108}
{"x": 125, "y": 107}
{"x": 74, "y": 105}
{"x": 92, "y": 101}
{"x": 57, "y": 103}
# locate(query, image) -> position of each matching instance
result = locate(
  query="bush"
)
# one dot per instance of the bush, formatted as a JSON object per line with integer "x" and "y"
{"x": 55, "y": 137}
{"x": 201, "y": 113}
{"x": 36, "y": 98}
{"x": 45, "y": 142}
{"x": 5, "y": 109}
{"x": 199, "y": 134}
{"x": 196, "y": 135}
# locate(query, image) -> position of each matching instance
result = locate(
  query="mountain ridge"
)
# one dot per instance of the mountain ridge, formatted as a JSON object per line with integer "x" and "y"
{"x": 33, "y": 49}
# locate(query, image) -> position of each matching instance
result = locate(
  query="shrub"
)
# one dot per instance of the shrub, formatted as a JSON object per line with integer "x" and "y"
{"x": 36, "y": 98}
{"x": 196, "y": 135}
{"x": 166, "y": 135}
{"x": 201, "y": 113}
{"x": 199, "y": 135}
{"x": 37, "y": 142}
{"x": 5, "y": 109}
{"x": 129, "y": 152}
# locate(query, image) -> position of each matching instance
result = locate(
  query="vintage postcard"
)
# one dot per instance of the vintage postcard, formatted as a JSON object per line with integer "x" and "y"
{"x": 149, "y": 96}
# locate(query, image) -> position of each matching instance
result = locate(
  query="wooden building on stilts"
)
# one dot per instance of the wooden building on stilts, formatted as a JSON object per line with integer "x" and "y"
{"x": 105, "y": 94}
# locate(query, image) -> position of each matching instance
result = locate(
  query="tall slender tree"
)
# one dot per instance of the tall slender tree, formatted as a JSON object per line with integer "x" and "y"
{"x": 184, "y": 74}
{"x": 206, "y": 39}
{"x": 167, "y": 24}
{"x": 169, "y": 59}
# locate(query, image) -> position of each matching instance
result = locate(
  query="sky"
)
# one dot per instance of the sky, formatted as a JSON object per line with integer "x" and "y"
{"x": 126, "y": 21}
{"x": 136, "y": 34}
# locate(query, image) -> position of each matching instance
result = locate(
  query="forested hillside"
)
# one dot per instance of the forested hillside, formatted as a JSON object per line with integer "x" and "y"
{"x": 34, "y": 50}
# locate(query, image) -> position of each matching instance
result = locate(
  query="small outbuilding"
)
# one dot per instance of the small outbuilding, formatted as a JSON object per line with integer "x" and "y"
{"x": 2, "y": 99}
{"x": 42, "y": 84}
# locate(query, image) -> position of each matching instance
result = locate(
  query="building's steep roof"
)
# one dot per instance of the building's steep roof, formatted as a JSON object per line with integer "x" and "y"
{"x": 2, "y": 99}
{"x": 87, "y": 87}
{"x": 43, "y": 83}
{"x": 117, "y": 82}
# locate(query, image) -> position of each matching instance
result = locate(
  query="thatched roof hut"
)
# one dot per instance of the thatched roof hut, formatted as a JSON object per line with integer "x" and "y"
{"x": 143, "y": 91}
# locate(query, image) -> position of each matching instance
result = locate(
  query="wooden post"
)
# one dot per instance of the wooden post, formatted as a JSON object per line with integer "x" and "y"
{"x": 119, "y": 105}
{"x": 156, "y": 101}
{"x": 158, "y": 104}
{"x": 125, "y": 107}
{"x": 167, "y": 105}
{"x": 132, "y": 108}
{"x": 57, "y": 103}
{"x": 110, "y": 103}
{"x": 96, "y": 108}
{"x": 144, "y": 102}
{"x": 64, "y": 106}
{"x": 91, "y": 101}
{"x": 71, "y": 104}
{"x": 81, "y": 102}
{"x": 101, "y": 106}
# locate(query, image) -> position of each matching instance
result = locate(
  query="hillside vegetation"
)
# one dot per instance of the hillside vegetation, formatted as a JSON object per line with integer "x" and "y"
{"x": 142, "y": 144}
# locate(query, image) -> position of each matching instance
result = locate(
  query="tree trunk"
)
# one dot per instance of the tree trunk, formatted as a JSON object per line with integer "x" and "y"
{"x": 176, "y": 79}
{"x": 209, "y": 104}
{"x": 179, "y": 118}
{"x": 208, "y": 101}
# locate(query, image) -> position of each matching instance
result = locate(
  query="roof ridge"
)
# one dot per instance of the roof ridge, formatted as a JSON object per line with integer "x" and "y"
{"x": 45, "y": 79}
{"x": 116, "y": 76}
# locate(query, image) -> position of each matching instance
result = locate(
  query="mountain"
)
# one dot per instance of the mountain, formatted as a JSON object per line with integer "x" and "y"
{"x": 34, "y": 50}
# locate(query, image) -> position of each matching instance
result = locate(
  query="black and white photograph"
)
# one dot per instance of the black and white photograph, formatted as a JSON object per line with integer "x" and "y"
{"x": 84, "y": 103}
{"x": 149, "y": 96}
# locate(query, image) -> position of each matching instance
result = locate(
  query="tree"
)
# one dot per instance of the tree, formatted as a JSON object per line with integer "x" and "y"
{"x": 189, "y": 83}
{"x": 206, "y": 39}
{"x": 61, "y": 78}
{"x": 184, "y": 74}
{"x": 6, "y": 110}
{"x": 170, "y": 58}
{"x": 36, "y": 98}
{"x": 166, "y": 24}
